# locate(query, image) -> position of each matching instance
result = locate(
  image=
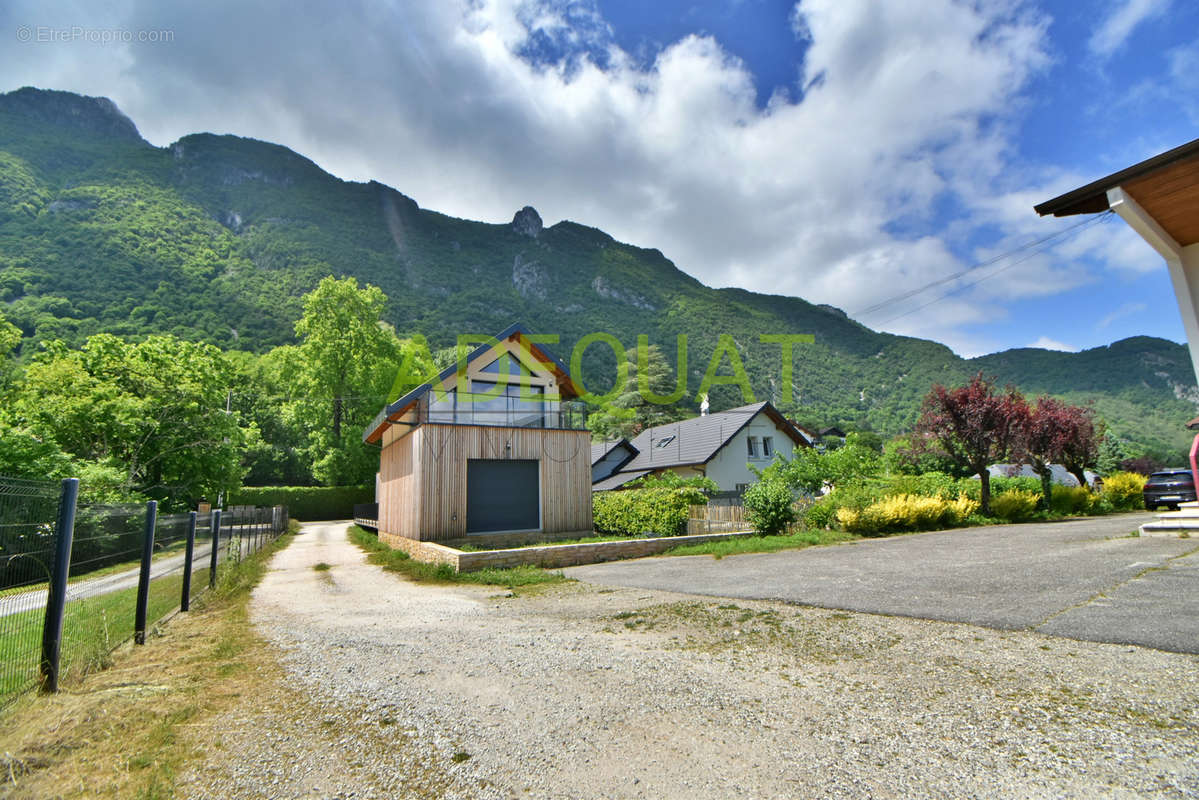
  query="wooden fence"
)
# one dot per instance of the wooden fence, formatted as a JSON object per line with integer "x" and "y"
{"x": 716, "y": 518}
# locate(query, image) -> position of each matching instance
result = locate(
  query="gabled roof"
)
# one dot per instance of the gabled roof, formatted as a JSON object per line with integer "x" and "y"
{"x": 697, "y": 440}
{"x": 618, "y": 480}
{"x": 601, "y": 449}
{"x": 394, "y": 410}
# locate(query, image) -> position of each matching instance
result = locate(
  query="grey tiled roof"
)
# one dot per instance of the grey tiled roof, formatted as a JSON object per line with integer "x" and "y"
{"x": 689, "y": 441}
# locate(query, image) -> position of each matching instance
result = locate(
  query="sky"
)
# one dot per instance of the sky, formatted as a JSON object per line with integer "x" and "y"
{"x": 855, "y": 153}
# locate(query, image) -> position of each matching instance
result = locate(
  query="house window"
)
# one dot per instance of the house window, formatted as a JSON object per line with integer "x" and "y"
{"x": 666, "y": 440}
{"x": 741, "y": 487}
{"x": 752, "y": 443}
{"x": 767, "y": 446}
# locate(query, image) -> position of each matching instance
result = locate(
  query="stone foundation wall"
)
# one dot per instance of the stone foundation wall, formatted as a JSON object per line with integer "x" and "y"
{"x": 548, "y": 555}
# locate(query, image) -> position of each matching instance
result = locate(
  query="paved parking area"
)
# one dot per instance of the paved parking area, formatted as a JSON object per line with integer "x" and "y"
{"x": 1082, "y": 579}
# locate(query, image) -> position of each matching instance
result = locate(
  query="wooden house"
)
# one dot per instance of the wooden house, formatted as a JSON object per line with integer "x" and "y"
{"x": 493, "y": 445}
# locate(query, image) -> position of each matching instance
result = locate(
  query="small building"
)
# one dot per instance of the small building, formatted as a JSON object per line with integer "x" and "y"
{"x": 720, "y": 446}
{"x": 494, "y": 445}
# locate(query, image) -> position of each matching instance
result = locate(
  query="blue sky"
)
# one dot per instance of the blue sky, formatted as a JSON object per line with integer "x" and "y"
{"x": 845, "y": 152}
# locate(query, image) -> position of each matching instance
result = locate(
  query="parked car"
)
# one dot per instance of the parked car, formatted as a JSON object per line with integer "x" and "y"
{"x": 1169, "y": 488}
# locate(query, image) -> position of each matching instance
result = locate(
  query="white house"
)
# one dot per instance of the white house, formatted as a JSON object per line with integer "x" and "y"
{"x": 721, "y": 446}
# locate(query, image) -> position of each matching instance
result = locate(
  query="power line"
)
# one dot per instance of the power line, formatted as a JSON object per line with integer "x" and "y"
{"x": 981, "y": 265}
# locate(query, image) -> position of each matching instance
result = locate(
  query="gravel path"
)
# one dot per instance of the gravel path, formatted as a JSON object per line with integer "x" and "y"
{"x": 401, "y": 690}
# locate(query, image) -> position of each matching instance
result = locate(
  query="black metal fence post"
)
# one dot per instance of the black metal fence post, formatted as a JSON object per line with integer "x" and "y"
{"x": 188, "y": 553}
{"x": 56, "y": 603}
{"x": 216, "y": 544}
{"x": 143, "y": 578}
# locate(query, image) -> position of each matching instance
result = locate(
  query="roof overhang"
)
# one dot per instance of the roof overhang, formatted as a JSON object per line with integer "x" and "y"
{"x": 1163, "y": 189}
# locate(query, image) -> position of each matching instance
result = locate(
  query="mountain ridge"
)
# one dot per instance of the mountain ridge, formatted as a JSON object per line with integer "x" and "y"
{"x": 216, "y": 237}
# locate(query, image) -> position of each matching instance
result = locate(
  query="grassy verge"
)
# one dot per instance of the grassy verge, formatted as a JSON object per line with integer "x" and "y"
{"x": 762, "y": 544}
{"x": 125, "y": 732}
{"x": 394, "y": 560}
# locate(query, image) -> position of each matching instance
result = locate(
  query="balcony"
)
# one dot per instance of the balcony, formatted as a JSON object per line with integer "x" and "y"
{"x": 503, "y": 411}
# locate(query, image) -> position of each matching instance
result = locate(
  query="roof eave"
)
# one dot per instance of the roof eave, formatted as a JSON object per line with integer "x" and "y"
{"x": 1092, "y": 198}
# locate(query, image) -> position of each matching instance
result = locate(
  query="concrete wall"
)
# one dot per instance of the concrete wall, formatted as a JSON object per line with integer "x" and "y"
{"x": 551, "y": 556}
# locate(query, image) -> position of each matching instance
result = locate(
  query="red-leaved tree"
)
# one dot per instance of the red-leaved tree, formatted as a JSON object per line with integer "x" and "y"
{"x": 1044, "y": 434}
{"x": 973, "y": 426}
{"x": 1081, "y": 451}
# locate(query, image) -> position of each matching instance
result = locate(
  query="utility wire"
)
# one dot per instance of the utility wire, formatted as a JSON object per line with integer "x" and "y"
{"x": 1017, "y": 262}
{"x": 981, "y": 265}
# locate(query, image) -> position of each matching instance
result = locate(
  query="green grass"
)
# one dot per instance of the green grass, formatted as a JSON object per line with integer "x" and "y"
{"x": 394, "y": 560}
{"x": 322, "y": 567}
{"x": 762, "y": 544}
{"x": 94, "y": 626}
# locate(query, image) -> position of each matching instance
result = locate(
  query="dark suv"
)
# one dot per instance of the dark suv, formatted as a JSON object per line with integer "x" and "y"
{"x": 1169, "y": 488}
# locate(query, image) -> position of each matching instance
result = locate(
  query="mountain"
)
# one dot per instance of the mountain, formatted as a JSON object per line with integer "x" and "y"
{"x": 216, "y": 238}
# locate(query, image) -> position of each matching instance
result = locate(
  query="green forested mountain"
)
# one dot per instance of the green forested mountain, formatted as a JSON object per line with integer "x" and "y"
{"x": 216, "y": 238}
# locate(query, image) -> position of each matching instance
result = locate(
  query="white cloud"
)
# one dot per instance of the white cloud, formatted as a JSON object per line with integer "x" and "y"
{"x": 1121, "y": 22}
{"x": 1045, "y": 343}
{"x": 908, "y": 105}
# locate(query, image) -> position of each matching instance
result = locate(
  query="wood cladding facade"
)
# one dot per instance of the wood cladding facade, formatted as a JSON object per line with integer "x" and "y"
{"x": 422, "y": 476}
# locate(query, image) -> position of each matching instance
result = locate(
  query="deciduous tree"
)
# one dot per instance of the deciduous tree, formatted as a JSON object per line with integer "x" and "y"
{"x": 973, "y": 425}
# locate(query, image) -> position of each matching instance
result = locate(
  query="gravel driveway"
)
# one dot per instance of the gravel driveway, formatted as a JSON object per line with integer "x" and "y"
{"x": 578, "y": 691}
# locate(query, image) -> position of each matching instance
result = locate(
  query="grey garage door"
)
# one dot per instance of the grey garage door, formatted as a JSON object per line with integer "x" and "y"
{"x": 502, "y": 495}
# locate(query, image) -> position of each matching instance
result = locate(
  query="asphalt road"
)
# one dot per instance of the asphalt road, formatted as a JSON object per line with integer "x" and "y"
{"x": 1082, "y": 579}
{"x": 91, "y": 587}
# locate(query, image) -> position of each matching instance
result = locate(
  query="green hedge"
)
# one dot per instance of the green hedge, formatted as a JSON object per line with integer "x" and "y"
{"x": 306, "y": 502}
{"x": 636, "y": 512}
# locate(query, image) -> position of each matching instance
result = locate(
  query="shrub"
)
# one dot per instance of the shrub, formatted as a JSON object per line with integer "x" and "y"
{"x": 1123, "y": 490}
{"x": 660, "y": 511}
{"x": 1070, "y": 499}
{"x": 906, "y": 512}
{"x": 972, "y": 488}
{"x": 305, "y": 502}
{"x": 1015, "y": 505}
{"x": 769, "y": 507}
{"x": 820, "y": 515}
{"x": 930, "y": 484}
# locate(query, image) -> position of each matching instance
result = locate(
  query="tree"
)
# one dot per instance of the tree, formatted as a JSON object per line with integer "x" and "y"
{"x": 971, "y": 425}
{"x": 341, "y": 373}
{"x": 809, "y": 469}
{"x": 1082, "y": 446}
{"x": 1111, "y": 453}
{"x": 1043, "y": 434}
{"x": 149, "y": 416}
{"x": 638, "y": 403}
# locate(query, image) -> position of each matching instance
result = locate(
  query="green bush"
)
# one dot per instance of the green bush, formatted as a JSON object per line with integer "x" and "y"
{"x": 820, "y": 515}
{"x": 1015, "y": 505}
{"x": 769, "y": 507}
{"x": 972, "y": 487}
{"x": 930, "y": 484}
{"x": 1070, "y": 500}
{"x": 1123, "y": 490}
{"x": 635, "y": 512}
{"x": 305, "y": 502}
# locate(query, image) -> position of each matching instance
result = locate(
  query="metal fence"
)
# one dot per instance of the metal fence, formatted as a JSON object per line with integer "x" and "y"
{"x": 77, "y": 580}
{"x": 28, "y": 513}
